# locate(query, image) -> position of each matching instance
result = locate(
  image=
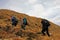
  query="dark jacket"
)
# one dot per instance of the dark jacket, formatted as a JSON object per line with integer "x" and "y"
{"x": 45, "y": 23}
{"x": 14, "y": 21}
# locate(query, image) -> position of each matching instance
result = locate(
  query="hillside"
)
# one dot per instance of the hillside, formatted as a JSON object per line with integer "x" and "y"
{"x": 34, "y": 26}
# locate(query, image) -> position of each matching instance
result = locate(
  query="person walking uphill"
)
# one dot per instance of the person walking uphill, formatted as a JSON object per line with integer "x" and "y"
{"x": 14, "y": 21}
{"x": 45, "y": 25}
{"x": 24, "y": 23}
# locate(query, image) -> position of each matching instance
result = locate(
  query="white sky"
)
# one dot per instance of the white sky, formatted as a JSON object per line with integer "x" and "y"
{"x": 48, "y": 9}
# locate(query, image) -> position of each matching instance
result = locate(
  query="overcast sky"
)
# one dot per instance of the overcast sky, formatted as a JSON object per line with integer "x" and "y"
{"x": 48, "y": 9}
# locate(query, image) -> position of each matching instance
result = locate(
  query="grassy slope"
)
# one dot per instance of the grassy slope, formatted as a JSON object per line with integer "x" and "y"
{"x": 34, "y": 26}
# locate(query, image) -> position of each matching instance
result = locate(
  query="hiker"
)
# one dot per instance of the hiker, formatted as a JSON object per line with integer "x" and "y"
{"x": 14, "y": 21}
{"x": 45, "y": 25}
{"x": 24, "y": 23}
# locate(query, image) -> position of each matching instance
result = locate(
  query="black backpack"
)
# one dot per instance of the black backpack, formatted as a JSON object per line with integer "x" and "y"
{"x": 45, "y": 22}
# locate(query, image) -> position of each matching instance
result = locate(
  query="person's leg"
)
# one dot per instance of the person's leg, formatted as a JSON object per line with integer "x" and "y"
{"x": 16, "y": 23}
{"x": 43, "y": 30}
{"x": 47, "y": 32}
{"x": 13, "y": 24}
{"x": 23, "y": 27}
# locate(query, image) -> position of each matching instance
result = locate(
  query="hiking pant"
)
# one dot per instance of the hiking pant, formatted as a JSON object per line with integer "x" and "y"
{"x": 23, "y": 26}
{"x": 14, "y": 23}
{"x": 45, "y": 30}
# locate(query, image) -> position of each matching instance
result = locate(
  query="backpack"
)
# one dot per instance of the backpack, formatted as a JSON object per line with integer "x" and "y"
{"x": 14, "y": 19}
{"x": 25, "y": 21}
{"x": 45, "y": 22}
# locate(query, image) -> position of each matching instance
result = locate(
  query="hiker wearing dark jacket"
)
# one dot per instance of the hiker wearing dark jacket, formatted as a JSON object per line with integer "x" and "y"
{"x": 14, "y": 21}
{"x": 45, "y": 25}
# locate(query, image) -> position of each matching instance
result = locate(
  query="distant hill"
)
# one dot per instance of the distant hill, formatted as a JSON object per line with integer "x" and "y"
{"x": 34, "y": 26}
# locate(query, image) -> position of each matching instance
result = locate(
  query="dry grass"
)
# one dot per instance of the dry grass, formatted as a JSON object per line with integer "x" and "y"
{"x": 34, "y": 26}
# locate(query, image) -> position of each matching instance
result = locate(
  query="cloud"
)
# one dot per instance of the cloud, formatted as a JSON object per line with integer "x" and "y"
{"x": 3, "y": 3}
{"x": 32, "y": 1}
{"x": 17, "y": 5}
{"x": 36, "y": 10}
{"x": 53, "y": 11}
{"x": 56, "y": 20}
{"x": 57, "y": 2}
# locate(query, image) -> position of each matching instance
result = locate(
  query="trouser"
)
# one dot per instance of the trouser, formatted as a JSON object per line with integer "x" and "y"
{"x": 45, "y": 30}
{"x": 14, "y": 23}
{"x": 23, "y": 26}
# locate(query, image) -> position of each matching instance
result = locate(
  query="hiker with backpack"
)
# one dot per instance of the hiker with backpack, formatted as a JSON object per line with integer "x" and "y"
{"x": 45, "y": 26}
{"x": 24, "y": 23}
{"x": 14, "y": 21}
